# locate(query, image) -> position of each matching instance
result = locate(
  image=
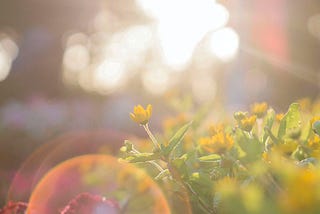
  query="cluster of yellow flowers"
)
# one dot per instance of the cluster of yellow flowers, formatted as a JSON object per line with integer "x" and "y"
{"x": 218, "y": 143}
{"x": 266, "y": 163}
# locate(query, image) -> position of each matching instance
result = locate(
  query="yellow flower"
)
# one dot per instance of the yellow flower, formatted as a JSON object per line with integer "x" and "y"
{"x": 247, "y": 123}
{"x": 314, "y": 144}
{"x": 259, "y": 109}
{"x": 279, "y": 117}
{"x": 141, "y": 115}
{"x": 218, "y": 143}
{"x": 214, "y": 129}
{"x": 239, "y": 115}
{"x": 314, "y": 119}
{"x": 265, "y": 156}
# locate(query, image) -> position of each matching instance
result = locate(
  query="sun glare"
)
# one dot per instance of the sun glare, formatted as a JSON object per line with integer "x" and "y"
{"x": 103, "y": 61}
{"x": 182, "y": 24}
{"x": 130, "y": 45}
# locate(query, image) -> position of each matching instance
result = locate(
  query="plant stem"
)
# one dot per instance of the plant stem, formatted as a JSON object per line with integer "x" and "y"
{"x": 259, "y": 123}
{"x": 201, "y": 202}
{"x": 151, "y": 162}
{"x": 153, "y": 139}
{"x": 156, "y": 165}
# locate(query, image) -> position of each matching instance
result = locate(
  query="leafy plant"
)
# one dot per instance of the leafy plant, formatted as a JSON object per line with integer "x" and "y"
{"x": 266, "y": 163}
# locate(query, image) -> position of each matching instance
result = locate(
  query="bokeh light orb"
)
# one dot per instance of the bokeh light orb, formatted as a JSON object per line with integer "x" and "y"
{"x": 314, "y": 25}
{"x": 224, "y": 43}
{"x": 5, "y": 65}
{"x": 156, "y": 81}
{"x": 103, "y": 175}
{"x": 76, "y": 57}
{"x": 109, "y": 76}
{"x": 8, "y": 52}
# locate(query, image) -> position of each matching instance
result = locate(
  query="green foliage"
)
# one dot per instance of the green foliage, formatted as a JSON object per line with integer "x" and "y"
{"x": 142, "y": 157}
{"x": 251, "y": 146}
{"x": 175, "y": 140}
{"x": 291, "y": 120}
{"x": 210, "y": 158}
{"x": 268, "y": 122}
{"x": 262, "y": 164}
{"x": 316, "y": 127}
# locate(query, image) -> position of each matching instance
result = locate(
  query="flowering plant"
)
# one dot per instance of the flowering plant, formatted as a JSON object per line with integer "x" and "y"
{"x": 263, "y": 162}
{"x": 256, "y": 161}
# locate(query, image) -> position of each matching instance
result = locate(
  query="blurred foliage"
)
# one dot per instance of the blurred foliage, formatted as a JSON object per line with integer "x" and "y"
{"x": 259, "y": 162}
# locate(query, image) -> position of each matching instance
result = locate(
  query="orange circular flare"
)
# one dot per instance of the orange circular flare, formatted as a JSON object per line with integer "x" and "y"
{"x": 100, "y": 175}
{"x": 56, "y": 151}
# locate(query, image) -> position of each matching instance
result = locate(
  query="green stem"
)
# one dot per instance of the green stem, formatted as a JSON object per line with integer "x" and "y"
{"x": 151, "y": 162}
{"x": 259, "y": 123}
{"x": 201, "y": 202}
{"x": 156, "y": 165}
{"x": 153, "y": 139}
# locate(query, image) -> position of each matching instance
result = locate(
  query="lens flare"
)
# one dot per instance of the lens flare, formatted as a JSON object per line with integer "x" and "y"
{"x": 101, "y": 175}
{"x": 56, "y": 151}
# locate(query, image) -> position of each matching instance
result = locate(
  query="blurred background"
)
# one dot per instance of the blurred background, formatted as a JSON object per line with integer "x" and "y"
{"x": 79, "y": 66}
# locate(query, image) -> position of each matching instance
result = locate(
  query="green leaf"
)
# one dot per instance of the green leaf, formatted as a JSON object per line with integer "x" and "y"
{"x": 178, "y": 168}
{"x": 176, "y": 139}
{"x": 316, "y": 127}
{"x": 201, "y": 179}
{"x": 251, "y": 146}
{"x": 203, "y": 185}
{"x": 210, "y": 158}
{"x": 300, "y": 153}
{"x": 306, "y": 132}
{"x": 291, "y": 120}
{"x": 142, "y": 157}
{"x": 269, "y": 120}
{"x": 269, "y": 133}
